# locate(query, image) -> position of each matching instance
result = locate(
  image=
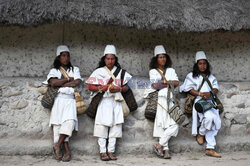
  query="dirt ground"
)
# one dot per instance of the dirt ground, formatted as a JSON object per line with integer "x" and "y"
{"x": 185, "y": 159}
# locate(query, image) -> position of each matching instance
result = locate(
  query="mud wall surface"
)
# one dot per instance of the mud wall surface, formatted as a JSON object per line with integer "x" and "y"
{"x": 29, "y": 52}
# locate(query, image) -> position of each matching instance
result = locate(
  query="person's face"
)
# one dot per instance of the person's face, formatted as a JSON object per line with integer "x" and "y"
{"x": 161, "y": 60}
{"x": 64, "y": 58}
{"x": 202, "y": 65}
{"x": 110, "y": 60}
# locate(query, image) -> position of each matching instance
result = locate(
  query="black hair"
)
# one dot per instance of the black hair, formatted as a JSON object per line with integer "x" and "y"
{"x": 197, "y": 72}
{"x": 57, "y": 63}
{"x": 154, "y": 64}
{"x": 102, "y": 62}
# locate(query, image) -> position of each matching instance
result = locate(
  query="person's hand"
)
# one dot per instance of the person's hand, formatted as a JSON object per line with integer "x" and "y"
{"x": 71, "y": 79}
{"x": 114, "y": 89}
{"x": 69, "y": 84}
{"x": 215, "y": 91}
{"x": 163, "y": 82}
{"x": 103, "y": 88}
{"x": 205, "y": 95}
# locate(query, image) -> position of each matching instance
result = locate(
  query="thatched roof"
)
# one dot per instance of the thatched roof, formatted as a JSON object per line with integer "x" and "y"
{"x": 178, "y": 15}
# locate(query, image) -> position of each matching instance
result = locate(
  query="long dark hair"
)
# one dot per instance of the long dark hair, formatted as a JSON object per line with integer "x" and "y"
{"x": 153, "y": 64}
{"x": 197, "y": 72}
{"x": 102, "y": 62}
{"x": 57, "y": 63}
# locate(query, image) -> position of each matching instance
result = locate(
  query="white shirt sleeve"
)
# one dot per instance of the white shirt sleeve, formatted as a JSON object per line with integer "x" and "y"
{"x": 127, "y": 77}
{"x": 53, "y": 73}
{"x": 93, "y": 78}
{"x": 215, "y": 83}
{"x": 174, "y": 76}
{"x": 77, "y": 74}
{"x": 188, "y": 84}
{"x": 154, "y": 76}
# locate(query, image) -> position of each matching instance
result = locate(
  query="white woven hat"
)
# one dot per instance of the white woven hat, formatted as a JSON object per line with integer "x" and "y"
{"x": 109, "y": 49}
{"x": 200, "y": 55}
{"x": 159, "y": 50}
{"x": 60, "y": 49}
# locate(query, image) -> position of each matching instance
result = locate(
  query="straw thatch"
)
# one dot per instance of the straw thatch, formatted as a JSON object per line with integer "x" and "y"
{"x": 177, "y": 15}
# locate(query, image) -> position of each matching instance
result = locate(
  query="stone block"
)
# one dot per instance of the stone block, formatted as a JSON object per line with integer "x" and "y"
{"x": 248, "y": 128}
{"x": 248, "y": 119}
{"x": 231, "y": 94}
{"x": 238, "y": 130}
{"x": 42, "y": 90}
{"x": 241, "y": 105}
{"x": 240, "y": 118}
{"x": 229, "y": 116}
{"x": 19, "y": 104}
{"x": 244, "y": 86}
{"x": 12, "y": 93}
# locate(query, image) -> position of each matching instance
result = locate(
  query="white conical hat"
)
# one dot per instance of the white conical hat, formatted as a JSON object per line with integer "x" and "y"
{"x": 159, "y": 50}
{"x": 110, "y": 49}
{"x": 60, "y": 49}
{"x": 200, "y": 55}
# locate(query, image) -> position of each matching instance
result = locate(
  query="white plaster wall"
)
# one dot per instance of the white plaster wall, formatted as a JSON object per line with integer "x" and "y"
{"x": 30, "y": 51}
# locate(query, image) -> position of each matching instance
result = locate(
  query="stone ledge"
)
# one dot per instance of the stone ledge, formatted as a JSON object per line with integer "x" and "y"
{"x": 22, "y": 146}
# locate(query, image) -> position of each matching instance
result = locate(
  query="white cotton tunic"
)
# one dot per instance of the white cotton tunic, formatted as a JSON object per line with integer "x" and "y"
{"x": 194, "y": 83}
{"x": 109, "y": 111}
{"x": 64, "y": 107}
{"x": 162, "y": 118}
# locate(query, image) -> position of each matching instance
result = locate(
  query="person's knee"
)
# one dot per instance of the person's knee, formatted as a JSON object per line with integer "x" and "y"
{"x": 218, "y": 121}
{"x": 208, "y": 119}
{"x": 66, "y": 139}
{"x": 175, "y": 128}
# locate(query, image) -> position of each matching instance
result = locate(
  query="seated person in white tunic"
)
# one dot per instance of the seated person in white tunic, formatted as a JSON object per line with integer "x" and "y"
{"x": 164, "y": 126}
{"x": 63, "y": 114}
{"x": 210, "y": 120}
{"x": 109, "y": 117}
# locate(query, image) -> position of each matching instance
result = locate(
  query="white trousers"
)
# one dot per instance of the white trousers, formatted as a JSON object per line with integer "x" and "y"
{"x": 168, "y": 133}
{"x": 102, "y": 131}
{"x": 209, "y": 136}
{"x": 65, "y": 128}
{"x": 107, "y": 133}
{"x": 111, "y": 144}
{"x": 210, "y": 126}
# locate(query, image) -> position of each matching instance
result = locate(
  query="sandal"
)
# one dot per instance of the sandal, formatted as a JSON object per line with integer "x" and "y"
{"x": 112, "y": 156}
{"x": 166, "y": 155}
{"x": 66, "y": 157}
{"x": 104, "y": 157}
{"x": 56, "y": 152}
{"x": 158, "y": 150}
{"x": 200, "y": 139}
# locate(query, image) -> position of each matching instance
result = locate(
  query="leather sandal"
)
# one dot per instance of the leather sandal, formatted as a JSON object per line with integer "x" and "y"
{"x": 112, "y": 156}
{"x": 104, "y": 157}
{"x": 158, "y": 150}
{"x": 166, "y": 154}
{"x": 200, "y": 139}
{"x": 56, "y": 152}
{"x": 66, "y": 157}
